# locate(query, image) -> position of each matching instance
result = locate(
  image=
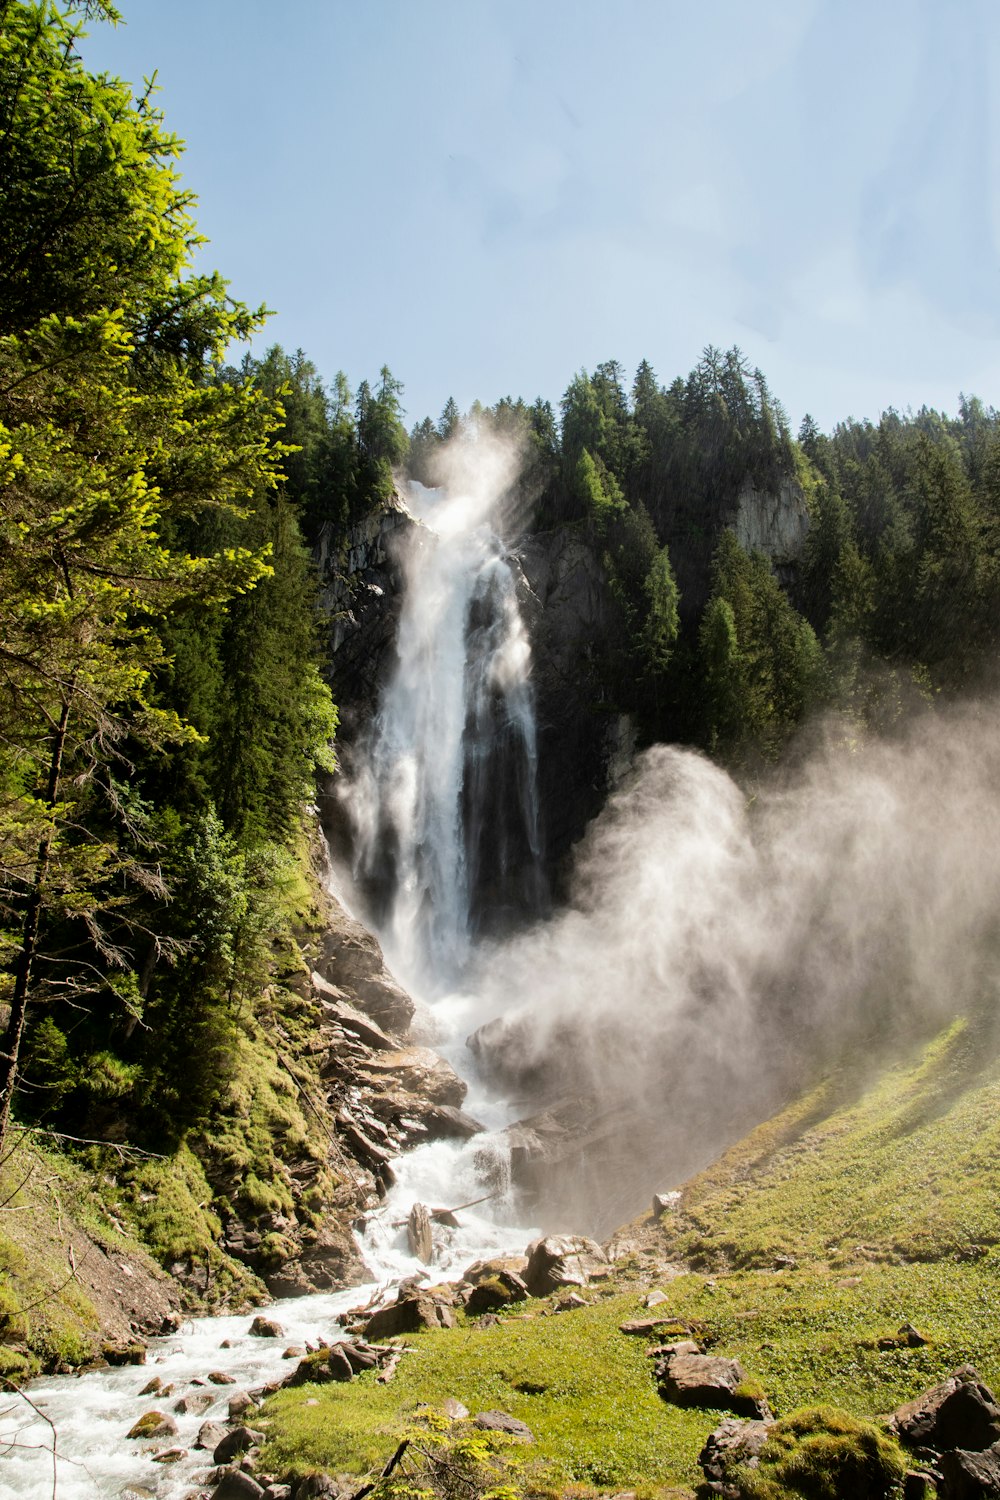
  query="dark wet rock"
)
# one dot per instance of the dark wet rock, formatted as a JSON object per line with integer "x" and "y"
{"x": 236, "y": 1442}
{"x": 708, "y": 1380}
{"x": 562, "y": 1260}
{"x": 153, "y": 1424}
{"x": 410, "y": 1313}
{"x": 959, "y": 1413}
{"x": 733, "y": 1442}
{"x": 445, "y": 1122}
{"x": 499, "y": 1421}
{"x": 266, "y": 1328}
{"x": 970, "y": 1475}
{"x": 237, "y": 1485}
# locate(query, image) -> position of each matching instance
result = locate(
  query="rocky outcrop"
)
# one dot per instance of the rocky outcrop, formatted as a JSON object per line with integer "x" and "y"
{"x": 360, "y": 587}
{"x": 773, "y": 522}
{"x": 958, "y": 1413}
{"x": 733, "y": 1443}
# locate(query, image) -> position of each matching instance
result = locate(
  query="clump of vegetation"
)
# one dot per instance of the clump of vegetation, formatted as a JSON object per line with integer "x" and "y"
{"x": 823, "y": 1454}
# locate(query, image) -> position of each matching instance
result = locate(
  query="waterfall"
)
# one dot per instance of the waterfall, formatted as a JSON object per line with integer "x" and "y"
{"x": 444, "y": 802}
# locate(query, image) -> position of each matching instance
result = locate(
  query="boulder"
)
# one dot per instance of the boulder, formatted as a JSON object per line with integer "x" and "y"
{"x": 195, "y": 1403}
{"x": 265, "y": 1328}
{"x": 124, "y": 1354}
{"x": 240, "y": 1403}
{"x": 958, "y": 1413}
{"x": 707, "y": 1380}
{"x": 351, "y": 960}
{"x": 499, "y": 1421}
{"x": 454, "y": 1410}
{"x": 221, "y": 1377}
{"x": 234, "y": 1443}
{"x": 499, "y": 1290}
{"x": 408, "y": 1314}
{"x": 236, "y": 1485}
{"x": 444, "y": 1122}
{"x": 970, "y": 1475}
{"x": 562, "y": 1260}
{"x": 210, "y": 1435}
{"x": 480, "y": 1269}
{"x": 733, "y": 1442}
{"x": 153, "y": 1424}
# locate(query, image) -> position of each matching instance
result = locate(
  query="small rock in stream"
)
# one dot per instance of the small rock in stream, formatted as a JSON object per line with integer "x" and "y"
{"x": 266, "y": 1328}
{"x": 153, "y": 1424}
{"x": 210, "y": 1435}
{"x": 236, "y": 1442}
{"x": 221, "y": 1377}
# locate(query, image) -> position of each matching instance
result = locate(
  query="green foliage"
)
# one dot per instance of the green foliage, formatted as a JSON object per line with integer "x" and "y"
{"x": 824, "y": 1454}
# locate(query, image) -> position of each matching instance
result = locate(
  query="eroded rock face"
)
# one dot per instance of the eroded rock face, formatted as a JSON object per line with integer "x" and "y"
{"x": 773, "y": 522}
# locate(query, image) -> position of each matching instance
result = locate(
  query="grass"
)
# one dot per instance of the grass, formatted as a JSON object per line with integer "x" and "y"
{"x": 884, "y": 1194}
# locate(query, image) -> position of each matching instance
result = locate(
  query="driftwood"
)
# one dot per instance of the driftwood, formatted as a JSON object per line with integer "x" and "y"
{"x": 388, "y": 1370}
{"x": 446, "y": 1215}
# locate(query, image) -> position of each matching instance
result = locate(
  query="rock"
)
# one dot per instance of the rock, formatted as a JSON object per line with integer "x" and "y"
{"x": 221, "y": 1377}
{"x": 339, "y": 1365}
{"x": 419, "y": 1071}
{"x": 124, "y": 1354}
{"x": 153, "y": 1424}
{"x": 294, "y": 1351}
{"x": 454, "y": 1409}
{"x": 240, "y": 1403}
{"x": 236, "y": 1485}
{"x": 733, "y": 1442}
{"x": 645, "y": 1326}
{"x": 234, "y": 1443}
{"x": 499, "y": 1421}
{"x": 408, "y": 1314}
{"x": 499, "y": 1290}
{"x": 444, "y": 1122}
{"x": 970, "y": 1475}
{"x": 418, "y": 1233}
{"x": 210, "y": 1435}
{"x": 571, "y": 1303}
{"x": 707, "y": 1380}
{"x": 318, "y": 1487}
{"x": 655, "y": 1299}
{"x": 562, "y": 1260}
{"x": 360, "y": 1355}
{"x": 195, "y": 1403}
{"x": 958, "y": 1413}
{"x": 680, "y": 1346}
{"x": 278, "y": 1492}
{"x": 336, "y": 1008}
{"x": 170, "y": 1455}
{"x": 266, "y": 1328}
{"x": 775, "y": 523}
{"x": 664, "y": 1202}
{"x": 480, "y": 1269}
{"x": 152, "y": 1386}
{"x": 352, "y": 961}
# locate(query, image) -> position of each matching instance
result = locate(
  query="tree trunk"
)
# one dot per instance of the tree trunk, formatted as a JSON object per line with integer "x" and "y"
{"x": 10, "y": 1045}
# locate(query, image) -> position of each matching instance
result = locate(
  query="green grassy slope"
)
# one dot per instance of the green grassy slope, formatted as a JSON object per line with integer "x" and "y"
{"x": 884, "y": 1194}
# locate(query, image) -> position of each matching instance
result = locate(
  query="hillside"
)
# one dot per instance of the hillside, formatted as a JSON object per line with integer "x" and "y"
{"x": 866, "y": 1204}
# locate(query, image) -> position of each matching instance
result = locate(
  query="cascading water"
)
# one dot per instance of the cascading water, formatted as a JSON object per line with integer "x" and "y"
{"x": 444, "y": 803}
{"x": 444, "y": 807}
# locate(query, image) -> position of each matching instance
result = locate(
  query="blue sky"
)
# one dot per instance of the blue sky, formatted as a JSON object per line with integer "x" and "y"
{"x": 488, "y": 197}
